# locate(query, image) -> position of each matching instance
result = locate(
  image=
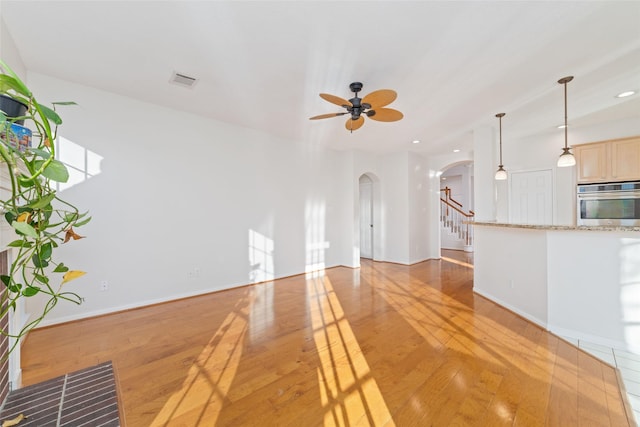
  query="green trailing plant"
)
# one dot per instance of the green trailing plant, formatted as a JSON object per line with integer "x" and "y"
{"x": 40, "y": 218}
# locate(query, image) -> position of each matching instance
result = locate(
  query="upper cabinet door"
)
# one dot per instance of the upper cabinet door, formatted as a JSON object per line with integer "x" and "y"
{"x": 608, "y": 161}
{"x": 625, "y": 159}
{"x": 591, "y": 162}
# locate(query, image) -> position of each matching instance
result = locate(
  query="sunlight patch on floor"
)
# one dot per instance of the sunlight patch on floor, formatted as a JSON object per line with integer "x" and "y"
{"x": 210, "y": 377}
{"x": 457, "y": 262}
{"x": 349, "y": 393}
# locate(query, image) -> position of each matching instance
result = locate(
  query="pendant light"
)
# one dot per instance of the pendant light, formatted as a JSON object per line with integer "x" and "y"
{"x": 501, "y": 174}
{"x": 566, "y": 158}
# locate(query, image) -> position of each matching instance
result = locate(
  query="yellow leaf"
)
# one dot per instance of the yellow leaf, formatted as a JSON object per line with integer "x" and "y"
{"x": 14, "y": 422}
{"x": 24, "y": 217}
{"x": 72, "y": 274}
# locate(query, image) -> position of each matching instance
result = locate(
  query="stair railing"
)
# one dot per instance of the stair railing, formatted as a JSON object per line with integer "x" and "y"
{"x": 453, "y": 217}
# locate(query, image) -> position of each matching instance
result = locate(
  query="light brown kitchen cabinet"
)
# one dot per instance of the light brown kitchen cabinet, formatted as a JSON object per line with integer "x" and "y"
{"x": 625, "y": 159}
{"x": 608, "y": 161}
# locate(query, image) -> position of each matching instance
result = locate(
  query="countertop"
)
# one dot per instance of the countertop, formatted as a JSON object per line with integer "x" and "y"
{"x": 558, "y": 227}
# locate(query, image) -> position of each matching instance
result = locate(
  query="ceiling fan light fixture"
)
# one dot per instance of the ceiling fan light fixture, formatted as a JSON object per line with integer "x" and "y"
{"x": 566, "y": 159}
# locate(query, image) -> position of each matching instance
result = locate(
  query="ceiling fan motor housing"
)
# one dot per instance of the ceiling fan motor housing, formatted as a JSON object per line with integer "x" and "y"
{"x": 355, "y": 87}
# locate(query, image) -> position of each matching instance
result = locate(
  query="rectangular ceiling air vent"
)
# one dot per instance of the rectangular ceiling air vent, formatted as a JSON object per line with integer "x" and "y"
{"x": 183, "y": 80}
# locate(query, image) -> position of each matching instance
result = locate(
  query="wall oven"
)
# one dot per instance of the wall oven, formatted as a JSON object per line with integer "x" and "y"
{"x": 616, "y": 203}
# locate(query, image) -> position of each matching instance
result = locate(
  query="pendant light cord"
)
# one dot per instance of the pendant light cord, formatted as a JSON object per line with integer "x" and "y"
{"x": 565, "y": 115}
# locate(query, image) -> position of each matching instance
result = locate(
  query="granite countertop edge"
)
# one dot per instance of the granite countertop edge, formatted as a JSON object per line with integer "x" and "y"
{"x": 558, "y": 227}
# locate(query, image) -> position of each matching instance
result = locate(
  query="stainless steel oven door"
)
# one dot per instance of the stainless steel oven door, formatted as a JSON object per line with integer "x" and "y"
{"x": 609, "y": 208}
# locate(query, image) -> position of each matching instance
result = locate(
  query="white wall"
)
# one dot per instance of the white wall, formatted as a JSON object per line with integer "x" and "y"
{"x": 485, "y": 165}
{"x": 8, "y": 51}
{"x": 594, "y": 287}
{"x": 418, "y": 206}
{"x": 185, "y": 205}
{"x": 510, "y": 268}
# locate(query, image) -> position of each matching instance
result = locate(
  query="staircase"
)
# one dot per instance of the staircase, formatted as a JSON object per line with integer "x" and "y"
{"x": 457, "y": 233}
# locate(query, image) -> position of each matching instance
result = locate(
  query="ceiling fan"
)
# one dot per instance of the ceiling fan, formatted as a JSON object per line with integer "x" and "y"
{"x": 371, "y": 106}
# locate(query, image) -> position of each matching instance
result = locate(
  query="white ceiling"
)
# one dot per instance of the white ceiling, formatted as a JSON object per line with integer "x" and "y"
{"x": 262, "y": 64}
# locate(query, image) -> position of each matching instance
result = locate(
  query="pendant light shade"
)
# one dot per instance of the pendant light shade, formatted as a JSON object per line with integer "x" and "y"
{"x": 566, "y": 158}
{"x": 501, "y": 174}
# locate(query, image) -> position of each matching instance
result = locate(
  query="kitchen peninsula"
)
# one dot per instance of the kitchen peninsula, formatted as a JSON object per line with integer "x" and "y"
{"x": 579, "y": 282}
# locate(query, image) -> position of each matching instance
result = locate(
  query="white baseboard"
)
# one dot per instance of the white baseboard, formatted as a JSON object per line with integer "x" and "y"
{"x": 508, "y": 306}
{"x": 139, "y": 304}
{"x": 564, "y": 332}
{"x": 87, "y": 314}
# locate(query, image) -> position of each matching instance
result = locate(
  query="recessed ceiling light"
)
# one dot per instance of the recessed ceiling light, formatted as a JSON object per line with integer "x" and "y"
{"x": 456, "y": 150}
{"x": 625, "y": 94}
{"x": 444, "y": 178}
{"x": 416, "y": 141}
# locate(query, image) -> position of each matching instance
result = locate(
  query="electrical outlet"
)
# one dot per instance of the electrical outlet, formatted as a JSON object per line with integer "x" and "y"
{"x": 196, "y": 272}
{"x": 104, "y": 285}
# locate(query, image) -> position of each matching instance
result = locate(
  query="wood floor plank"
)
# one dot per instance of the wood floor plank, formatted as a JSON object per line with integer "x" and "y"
{"x": 383, "y": 345}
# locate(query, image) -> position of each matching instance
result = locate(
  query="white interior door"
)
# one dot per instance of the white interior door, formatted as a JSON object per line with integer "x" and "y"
{"x": 366, "y": 219}
{"x": 531, "y": 200}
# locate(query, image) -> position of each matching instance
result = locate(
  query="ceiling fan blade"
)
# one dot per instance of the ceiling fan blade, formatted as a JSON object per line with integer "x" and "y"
{"x": 354, "y": 124}
{"x": 326, "y": 116}
{"x": 385, "y": 115}
{"x": 380, "y": 98}
{"x": 335, "y": 100}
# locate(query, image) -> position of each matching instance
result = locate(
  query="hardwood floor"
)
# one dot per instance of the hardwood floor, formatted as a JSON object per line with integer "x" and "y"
{"x": 382, "y": 345}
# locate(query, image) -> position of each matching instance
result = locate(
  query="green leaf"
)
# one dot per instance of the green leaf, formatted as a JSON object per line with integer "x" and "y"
{"x": 64, "y": 103}
{"x": 12, "y": 82}
{"x": 40, "y": 153}
{"x": 24, "y": 228}
{"x": 42, "y": 279}
{"x": 39, "y": 262}
{"x": 10, "y": 217}
{"x": 61, "y": 268}
{"x": 51, "y": 114}
{"x": 26, "y": 182}
{"x": 9, "y": 283}
{"x": 45, "y": 251}
{"x": 30, "y": 291}
{"x": 42, "y": 202}
{"x": 55, "y": 171}
{"x": 20, "y": 244}
{"x": 5, "y": 279}
{"x": 81, "y": 223}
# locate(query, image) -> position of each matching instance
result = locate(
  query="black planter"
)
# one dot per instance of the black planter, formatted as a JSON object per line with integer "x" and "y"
{"x": 12, "y": 108}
